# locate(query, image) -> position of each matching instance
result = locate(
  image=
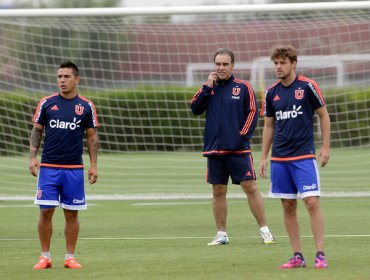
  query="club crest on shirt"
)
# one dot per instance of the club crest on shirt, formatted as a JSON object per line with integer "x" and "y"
{"x": 79, "y": 110}
{"x": 299, "y": 93}
{"x": 236, "y": 91}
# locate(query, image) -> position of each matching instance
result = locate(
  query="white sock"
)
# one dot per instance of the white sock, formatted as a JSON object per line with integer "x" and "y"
{"x": 264, "y": 229}
{"x": 46, "y": 254}
{"x": 222, "y": 233}
{"x": 67, "y": 256}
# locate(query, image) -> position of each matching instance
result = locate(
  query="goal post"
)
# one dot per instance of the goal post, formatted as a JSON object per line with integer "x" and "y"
{"x": 141, "y": 66}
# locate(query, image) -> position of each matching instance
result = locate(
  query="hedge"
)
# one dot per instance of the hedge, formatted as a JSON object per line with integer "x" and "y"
{"x": 160, "y": 119}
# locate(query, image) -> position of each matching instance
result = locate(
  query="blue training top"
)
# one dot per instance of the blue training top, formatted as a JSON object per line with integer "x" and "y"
{"x": 64, "y": 121}
{"x": 293, "y": 108}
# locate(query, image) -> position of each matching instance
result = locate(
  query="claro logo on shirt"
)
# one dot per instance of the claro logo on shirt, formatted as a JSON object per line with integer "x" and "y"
{"x": 284, "y": 115}
{"x": 64, "y": 125}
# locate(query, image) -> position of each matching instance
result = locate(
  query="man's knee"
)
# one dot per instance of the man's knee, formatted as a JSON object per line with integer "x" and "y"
{"x": 249, "y": 186}
{"x": 46, "y": 214}
{"x": 70, "y": 215}
{"x": 219, "y": 191}
{"x": 289, "y": 205}
{"x": 312, "y": 203}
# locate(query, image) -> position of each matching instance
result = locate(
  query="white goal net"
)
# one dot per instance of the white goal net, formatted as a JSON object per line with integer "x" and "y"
{"x": 141, "y": 69}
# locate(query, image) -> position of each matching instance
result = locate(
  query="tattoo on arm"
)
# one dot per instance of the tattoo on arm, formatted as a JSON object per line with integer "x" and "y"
{"x": 92, "y": 146}
{"x": 35, "y": 141}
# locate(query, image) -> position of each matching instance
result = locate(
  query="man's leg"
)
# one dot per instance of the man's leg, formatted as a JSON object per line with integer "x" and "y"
{"x": 45, "y": 228}
{"x": 220, "y": 214}
{"x": 292, "y": 227}
{"x": 291, "y": 223}
{"x": 317, "y": 220}
{"x": 220, "y": 206}
{"x": 255, "y": 201}
{"x": 72, "y": 229}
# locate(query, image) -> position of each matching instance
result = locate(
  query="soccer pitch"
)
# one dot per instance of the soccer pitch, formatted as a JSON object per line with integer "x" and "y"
{"x": 150, "y": 217}
{"x": 182, "y": 175}
{"x": 167, "y": 240}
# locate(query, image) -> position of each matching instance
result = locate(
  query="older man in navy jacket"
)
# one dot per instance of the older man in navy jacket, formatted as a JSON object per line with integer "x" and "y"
{"x": 231, "y": 117}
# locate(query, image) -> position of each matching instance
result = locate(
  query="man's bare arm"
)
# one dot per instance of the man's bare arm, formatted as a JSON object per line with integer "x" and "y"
{"x": 35, "y": 141}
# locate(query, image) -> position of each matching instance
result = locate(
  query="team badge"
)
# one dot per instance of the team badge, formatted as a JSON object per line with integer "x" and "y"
{"x": 299, "y": 93}
{"x": 79, "y": 109}
{"x": 39, "y": 194}
{"x": 236, "y": 91}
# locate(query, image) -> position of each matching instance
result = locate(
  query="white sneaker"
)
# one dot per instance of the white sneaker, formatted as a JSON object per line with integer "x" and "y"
{"x": 267, "y": 237}
{"x": 220, "y": 239}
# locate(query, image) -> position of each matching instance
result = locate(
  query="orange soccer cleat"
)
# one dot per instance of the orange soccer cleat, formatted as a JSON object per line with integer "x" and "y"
{"x": 43, "y": 263}
{"x": 72, "y": 263}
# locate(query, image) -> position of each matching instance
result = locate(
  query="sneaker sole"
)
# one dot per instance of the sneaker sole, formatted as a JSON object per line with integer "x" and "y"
{"x": 321, "y": 267}
{"x": 303, "y": 266}
{"x": 67, "y": 266}
{"x": 291, "y": 267}
{"x": 217, "y": 244}
{"x": 41, "y": 268}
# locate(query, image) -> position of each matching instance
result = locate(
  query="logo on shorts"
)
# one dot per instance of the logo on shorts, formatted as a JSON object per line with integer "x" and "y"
{"x": 39, "y": 194}
{"x": 310, "y": 188}
{"x": 79, "y": 201}
{"x": 249, "y": 174}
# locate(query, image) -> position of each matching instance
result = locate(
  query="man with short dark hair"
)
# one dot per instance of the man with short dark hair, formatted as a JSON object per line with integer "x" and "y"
{"x": 65, "y": 116}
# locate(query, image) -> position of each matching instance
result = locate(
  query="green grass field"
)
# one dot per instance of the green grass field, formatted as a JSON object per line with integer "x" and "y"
{"x": 164, "y": 174}
{"x": 166, "y": 240}
{"x": 161, "y": 235}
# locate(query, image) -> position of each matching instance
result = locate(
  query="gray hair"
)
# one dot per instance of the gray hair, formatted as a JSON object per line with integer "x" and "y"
{"x": 224, "y": 51}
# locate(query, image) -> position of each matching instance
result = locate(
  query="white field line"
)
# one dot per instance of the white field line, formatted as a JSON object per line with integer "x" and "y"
{"x": 177, "y": 196}
{"x": 185, "y": 237}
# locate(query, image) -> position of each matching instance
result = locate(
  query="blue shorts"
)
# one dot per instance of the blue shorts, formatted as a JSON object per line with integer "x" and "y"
{"x": 61, "y": 187}
{"x": 238, "y": 167}
{"x": 289, "y": 178}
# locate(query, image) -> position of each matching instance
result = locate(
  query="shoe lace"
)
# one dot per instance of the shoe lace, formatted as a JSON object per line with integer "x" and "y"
{"x": 220, "y": 237}
{"x": 43, "y": 259}
{"x": 266, "y": 235}
{"x": 320, "y": 259}
{"x": 296, "y": 260}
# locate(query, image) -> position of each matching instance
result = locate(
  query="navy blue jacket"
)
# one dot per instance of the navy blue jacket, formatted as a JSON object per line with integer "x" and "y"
{"x": 231, "y": 116}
